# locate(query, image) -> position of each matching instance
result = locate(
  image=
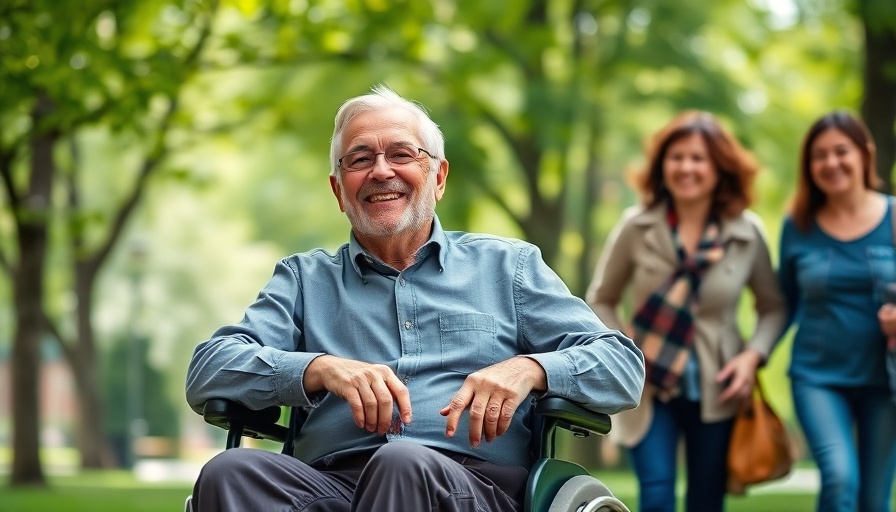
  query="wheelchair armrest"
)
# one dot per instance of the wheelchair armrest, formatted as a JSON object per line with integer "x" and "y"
{"x": 241, "y": 421}
{"x": 572, "y": 416}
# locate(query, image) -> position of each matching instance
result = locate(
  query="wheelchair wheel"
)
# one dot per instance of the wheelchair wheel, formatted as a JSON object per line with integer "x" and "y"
{"x": 605, "y": 504}
{"x": 584, "y": 493}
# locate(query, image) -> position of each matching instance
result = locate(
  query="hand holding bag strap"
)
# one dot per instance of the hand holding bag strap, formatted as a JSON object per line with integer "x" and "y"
{"x": 888, "y": 289}
{"x": 760, "y": 448}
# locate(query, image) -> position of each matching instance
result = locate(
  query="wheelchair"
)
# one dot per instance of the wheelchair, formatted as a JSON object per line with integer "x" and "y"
{"x": 554, "y": 485}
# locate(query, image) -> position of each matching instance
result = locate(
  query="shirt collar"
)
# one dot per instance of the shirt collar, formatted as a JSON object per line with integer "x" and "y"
{"x": 437, "y": 242}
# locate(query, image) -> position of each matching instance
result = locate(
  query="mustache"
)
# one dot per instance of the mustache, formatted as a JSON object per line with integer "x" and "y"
{"x": 393, "y": 186}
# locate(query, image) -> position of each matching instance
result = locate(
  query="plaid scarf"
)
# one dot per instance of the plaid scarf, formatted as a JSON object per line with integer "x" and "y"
{"x": 664, "y": 324}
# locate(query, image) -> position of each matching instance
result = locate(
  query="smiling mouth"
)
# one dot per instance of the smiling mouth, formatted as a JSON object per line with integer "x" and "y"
{"x": 379, "y": 198}
{"x": 833, "y": 175}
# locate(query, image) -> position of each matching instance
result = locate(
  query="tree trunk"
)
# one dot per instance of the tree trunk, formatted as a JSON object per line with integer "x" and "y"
{"x": 879, "y": 103}
{"x": 91, "y": 436}
{"x": 590, "y": 197}
{"x": 28, "y": 296}
{"x": 544, "y": 227}
{"x": 28, "y": 291}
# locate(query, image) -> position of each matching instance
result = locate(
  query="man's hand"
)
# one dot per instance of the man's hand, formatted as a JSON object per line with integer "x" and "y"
{"x": 493, "y": 395}
{"x": 371, "y": 390}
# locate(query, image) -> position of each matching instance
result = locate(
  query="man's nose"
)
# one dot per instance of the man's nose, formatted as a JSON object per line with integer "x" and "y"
{"x": 381, "y": 169}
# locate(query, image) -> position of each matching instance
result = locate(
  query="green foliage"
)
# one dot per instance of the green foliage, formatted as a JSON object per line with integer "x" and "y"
{"x": 881, "y": 14}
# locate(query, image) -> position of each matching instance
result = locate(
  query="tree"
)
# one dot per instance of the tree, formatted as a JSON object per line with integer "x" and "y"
{"x": 29, "y": 206}
{"x": 72, "y": 65}
{"x": 879, "y": 101}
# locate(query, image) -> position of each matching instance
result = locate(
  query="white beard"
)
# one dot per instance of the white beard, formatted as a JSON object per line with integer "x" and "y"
{"x": 417, "y": 215}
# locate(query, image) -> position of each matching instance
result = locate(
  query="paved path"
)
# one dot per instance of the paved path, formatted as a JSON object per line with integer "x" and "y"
{"x": 164, "y": 470}
{"x": 800, "y": 480}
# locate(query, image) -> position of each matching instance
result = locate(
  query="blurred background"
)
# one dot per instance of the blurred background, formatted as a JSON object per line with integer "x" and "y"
{"x": 158, "y": 157}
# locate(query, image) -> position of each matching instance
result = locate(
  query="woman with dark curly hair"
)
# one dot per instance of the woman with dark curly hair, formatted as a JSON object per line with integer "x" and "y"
{"x": 837, "y": 257}
{"x": 685, "y": 256}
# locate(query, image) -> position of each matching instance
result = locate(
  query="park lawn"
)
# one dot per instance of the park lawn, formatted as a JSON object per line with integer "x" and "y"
{"x": 623, "y": 485}
{"x": 100, "y": 491}
{"x": 772, "y": 503}
{"x": 118, "y": 491}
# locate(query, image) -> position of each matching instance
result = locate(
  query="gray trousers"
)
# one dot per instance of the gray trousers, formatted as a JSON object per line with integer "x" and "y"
{"x": 399, "y": 476}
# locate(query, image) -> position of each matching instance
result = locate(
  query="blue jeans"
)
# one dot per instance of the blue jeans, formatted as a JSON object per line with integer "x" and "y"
{"x": 655, "y": 458}
{"x": 852, "y": 435}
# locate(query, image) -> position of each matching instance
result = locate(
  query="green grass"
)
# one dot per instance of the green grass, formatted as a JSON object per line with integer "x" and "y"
{"x": 118, "y": 491}
{"x": 625, "y": 488}
{"x": 102, "y": 491}
{"x": 772, "y": 503}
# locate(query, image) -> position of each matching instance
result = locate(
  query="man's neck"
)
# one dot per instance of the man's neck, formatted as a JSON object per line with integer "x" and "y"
{"x": 399, "y": 251}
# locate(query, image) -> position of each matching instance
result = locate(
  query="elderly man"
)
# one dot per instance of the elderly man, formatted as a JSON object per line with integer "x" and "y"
{"x": 410, "y": 346}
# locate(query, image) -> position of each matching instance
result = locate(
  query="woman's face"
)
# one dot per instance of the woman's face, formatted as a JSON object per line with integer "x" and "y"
{"x": 836, "y": 163}
{"x": 689, "y": 173}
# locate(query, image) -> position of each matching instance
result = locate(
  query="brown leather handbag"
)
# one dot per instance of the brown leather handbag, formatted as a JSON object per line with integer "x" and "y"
{"x": 760, "y": 449}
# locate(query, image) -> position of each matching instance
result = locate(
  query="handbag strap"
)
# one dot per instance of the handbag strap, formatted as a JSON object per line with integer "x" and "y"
{"x": 892, "y": 201}
{"x": 891, "y": 342}
{"x": 757, "y": 386}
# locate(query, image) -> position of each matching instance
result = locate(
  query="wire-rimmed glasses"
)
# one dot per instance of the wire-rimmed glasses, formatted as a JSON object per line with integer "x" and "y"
{"x": 398, "y": 154}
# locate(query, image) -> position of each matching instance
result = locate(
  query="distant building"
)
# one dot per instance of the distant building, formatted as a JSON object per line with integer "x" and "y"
{"x": 58, "y": 397}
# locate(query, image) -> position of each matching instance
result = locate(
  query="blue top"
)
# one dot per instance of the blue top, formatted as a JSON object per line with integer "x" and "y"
{"x": 469, "y": 301}
{"x": 834, "y": 290}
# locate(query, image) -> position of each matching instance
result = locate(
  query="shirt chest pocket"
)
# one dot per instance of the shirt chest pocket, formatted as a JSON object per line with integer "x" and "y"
{"x": 468, "y": 341}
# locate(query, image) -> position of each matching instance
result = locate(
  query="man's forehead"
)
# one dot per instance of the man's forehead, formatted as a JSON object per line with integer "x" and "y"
{"x": 390, "y": 125}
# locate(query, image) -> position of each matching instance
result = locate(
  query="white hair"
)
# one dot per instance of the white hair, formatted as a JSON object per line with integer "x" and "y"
{"x": 381, "y": 97}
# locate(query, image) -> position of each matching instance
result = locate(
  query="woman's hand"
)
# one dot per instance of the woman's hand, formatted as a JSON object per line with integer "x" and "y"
{"x": 886, "y": 315}
{"x": 740, "y": 374}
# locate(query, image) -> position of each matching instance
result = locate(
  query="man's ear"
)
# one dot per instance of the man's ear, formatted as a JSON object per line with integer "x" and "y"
{"x": 441, "y": 178}
{"x": 337, "y": 191}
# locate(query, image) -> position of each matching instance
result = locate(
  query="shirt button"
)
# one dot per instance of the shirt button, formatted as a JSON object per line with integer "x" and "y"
{"x": 401, "y": 282}
{"x": 407, "y": 325}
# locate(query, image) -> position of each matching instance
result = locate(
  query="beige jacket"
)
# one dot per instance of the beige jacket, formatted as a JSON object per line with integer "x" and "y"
{"x": 639, "y": 255}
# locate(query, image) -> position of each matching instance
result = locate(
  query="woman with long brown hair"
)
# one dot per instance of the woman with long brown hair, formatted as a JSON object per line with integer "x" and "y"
{"x": 837, "y": 257}
{"x": 685, "y": 256}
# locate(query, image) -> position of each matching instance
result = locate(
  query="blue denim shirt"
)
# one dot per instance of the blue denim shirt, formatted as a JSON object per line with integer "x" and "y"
{"x": 469, "y": 301}
{"x": 833, "y": 290}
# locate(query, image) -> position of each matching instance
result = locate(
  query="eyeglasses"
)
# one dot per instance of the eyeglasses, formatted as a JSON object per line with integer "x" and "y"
{"x": 396, "y": 154}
